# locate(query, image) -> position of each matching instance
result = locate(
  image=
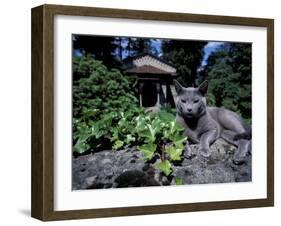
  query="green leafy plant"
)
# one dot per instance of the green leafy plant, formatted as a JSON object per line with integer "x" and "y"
{"x": 162, "y": 137}
{"x": 165, "y": 166}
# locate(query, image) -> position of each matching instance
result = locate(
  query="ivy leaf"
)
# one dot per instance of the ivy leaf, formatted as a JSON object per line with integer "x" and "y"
{"x": 178, "y": 127}
{"x": 178, "y": 140}
{"x": 140, "y": 123}
{"x": 96, "y": 130}
{"x": 171, "y": 129}
{"x": 166, "y": 133}
{"x": 179, "y": 181}
{"x": 114, "y": 133}
{"x": 165, "y": 167}
{"x": 157, "y": 125}
{"x": 84, "y": 132}
{"x": 81, "y": 147}
{"x": 129, "y": 139}
{"x": 118, "y": 144}
{"x": 148, "y": 150}
{"x": 174, "y": 152}
{"x": 166, "y": 116}
{"x": 89, "y": 112}
{"x": 175, "y": 127}
{"x": 149, "y": 134}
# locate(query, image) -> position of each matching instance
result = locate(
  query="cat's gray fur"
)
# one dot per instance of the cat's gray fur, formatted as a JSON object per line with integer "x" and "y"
{"x": 204, "y": 125}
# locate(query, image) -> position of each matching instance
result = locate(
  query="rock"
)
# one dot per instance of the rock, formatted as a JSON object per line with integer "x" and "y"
{"x": 126, "y": 168}
{"x": 99, "y": 170}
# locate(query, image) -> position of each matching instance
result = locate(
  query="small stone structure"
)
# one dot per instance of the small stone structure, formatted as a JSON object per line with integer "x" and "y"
{"x": 155, "y": 80}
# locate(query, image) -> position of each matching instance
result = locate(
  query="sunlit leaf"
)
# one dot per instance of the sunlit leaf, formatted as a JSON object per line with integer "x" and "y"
{"x": 174, "y": 152}
{"x": 81, "y": 147}
{"x": 129, "y": 139}
{"x": 165, "y": 167}
{"x": 178, "y": 140}
{"x": 148, "y": 134}
{"x": 118, "y": 144}
{"x": 148, "y": 150}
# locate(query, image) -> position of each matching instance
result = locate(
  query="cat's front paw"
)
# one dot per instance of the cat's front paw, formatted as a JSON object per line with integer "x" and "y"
{"x": 205, "y": 152}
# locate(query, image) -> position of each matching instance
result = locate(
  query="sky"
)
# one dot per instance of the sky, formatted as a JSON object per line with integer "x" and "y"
{"x": 208, "y": 49}
{"x": 157, "y": 44}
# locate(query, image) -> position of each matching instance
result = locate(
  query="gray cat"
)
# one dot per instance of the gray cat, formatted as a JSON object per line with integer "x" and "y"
{"x": 204, "y": 125}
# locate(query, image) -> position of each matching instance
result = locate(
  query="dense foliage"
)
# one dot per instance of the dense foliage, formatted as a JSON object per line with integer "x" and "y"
{"x": 106, "y": 115}
{"x": 100, "y": 97}
{"x": 100, "y": 88}
{"x": 230, "y": 75}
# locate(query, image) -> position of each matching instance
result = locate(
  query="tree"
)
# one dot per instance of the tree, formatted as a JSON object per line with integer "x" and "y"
{"x": 137, "y": 46}
{"x": 141, "y": 45}
{"x": 100, "y": 47}
{"x": 229, "y": 71}
{"x": 186, "y": 56}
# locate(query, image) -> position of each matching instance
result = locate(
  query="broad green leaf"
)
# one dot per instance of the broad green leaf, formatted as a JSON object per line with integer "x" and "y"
{"x": 179, "y": 181}
{"x": 96, "y": 130}
{"x": 129, "y": 139}
{"x": 174, "y": 152}
{"x": 148, "y": 134}
{"x": 178, "y": 127}
{"x": 83, "y": 132}
{"x": 118, "y": 144}
{"x": 81, "y": 147}
{"x": 166, "y": 116}
{"x": 148, "y": 150}
{"x": 166, "y": 133}
{"x": 89, "y": 112}
{"x": 141, "y": 124}
{"x": 114, "y": 134}
{"x": 165, "y": 167}
{"x": 170, "y": 129}
{"x": 178, "y": 140}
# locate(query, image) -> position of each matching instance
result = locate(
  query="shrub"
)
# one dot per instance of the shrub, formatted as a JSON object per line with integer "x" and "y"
{"x": 99, "y": 89}
{"x": 100, "y": 97}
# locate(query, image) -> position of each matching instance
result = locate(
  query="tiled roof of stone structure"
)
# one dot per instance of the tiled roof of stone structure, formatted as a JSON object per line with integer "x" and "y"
{"x": 149, "y": 64}
{"x": 146, "y": 69}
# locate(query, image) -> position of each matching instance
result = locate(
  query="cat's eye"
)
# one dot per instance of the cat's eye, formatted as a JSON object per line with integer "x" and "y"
{"x": 183, "y": 101}
{"x": 196, "y": 101}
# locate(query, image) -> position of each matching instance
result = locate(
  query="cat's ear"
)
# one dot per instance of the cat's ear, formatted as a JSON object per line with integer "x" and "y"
{"x": 203, "y": 88}
{"x": 179, "y": 88}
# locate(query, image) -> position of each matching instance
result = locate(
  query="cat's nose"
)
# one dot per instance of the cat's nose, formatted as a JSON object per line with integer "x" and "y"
{"x": 189, "y": 109}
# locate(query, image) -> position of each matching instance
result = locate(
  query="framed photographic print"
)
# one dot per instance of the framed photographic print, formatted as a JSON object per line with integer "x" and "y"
{"x": 141, "y": 112}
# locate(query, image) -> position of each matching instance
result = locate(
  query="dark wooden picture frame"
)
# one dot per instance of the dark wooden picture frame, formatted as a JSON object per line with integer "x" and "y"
{"x": 42, "y": 203}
